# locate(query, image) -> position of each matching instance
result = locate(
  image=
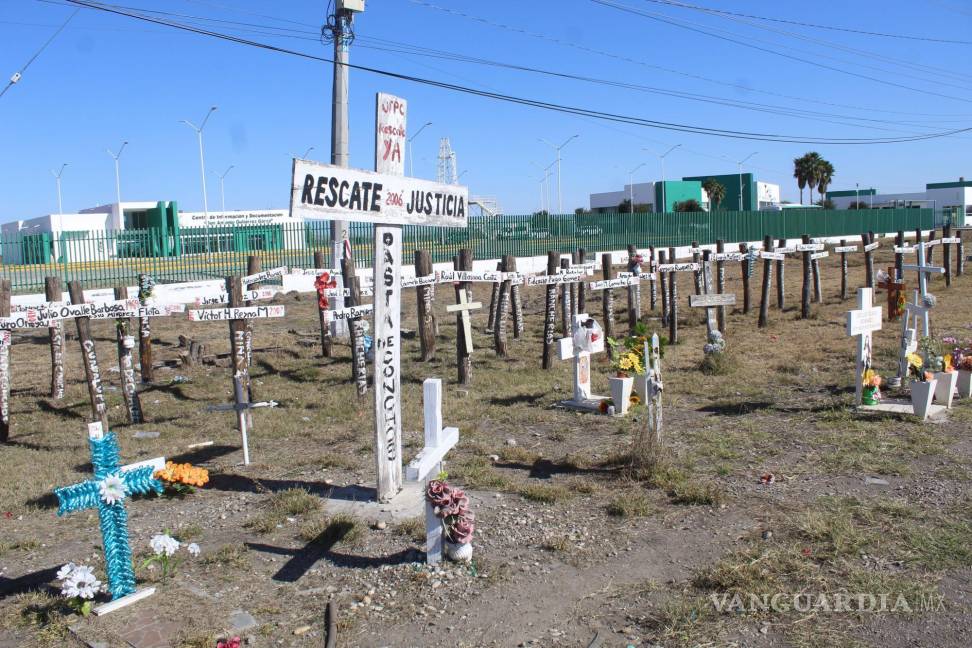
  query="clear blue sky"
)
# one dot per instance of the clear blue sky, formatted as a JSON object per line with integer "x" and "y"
{"x": 107, "y": 78}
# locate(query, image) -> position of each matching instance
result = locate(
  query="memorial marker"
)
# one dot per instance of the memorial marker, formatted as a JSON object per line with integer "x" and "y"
{"x": 52, "y": 292}
{"x": 126, "y": 366}
{"x": 585, "y": 339}
{"x": 861, "y": 323}
{"x": 5, "y": 342}
{"x": 96, "y": 391}
{"x": 549, "y": 307}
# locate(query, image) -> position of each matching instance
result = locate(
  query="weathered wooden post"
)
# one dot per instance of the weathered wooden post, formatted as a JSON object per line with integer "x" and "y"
{"x": 747, "y": 272}
{"x": 843, "y": 269}
{"x": 947, "y": 254}
{"x": 359, "y": 363}
{"x": 463, "y": 361}
{"x": 815, "y": 271}
{"x": 499, "y": 327}
{"x": 126, "y": 366}
{"x": 634, "y": 291}
{"x": 931, "y": 248}
{"x": 899, "y": 242}
{"x": 566, "y": 322}
{"x": 960, "y": 249}
{"x": 721, "y": 280}
{"x": 672, "y": 302}
{"x": 663, "y": 287}
{"x": 581, "y": 299}
{"x": 6, "y": 338}
{"x": 145, "y": 287}
{"x": 326, "y": 341}
{"x": 52, "y": 292}
{"x": 493, "y": 297}
{"x": 607, "y": 299}
{"x": 96, "y": 391}
{"x": 550, "y": 311}
{"x": 423, "y": 268}
{"x": 652, "y": 288}
{"x": 767, "y": 279}
{"x": 697, "y": 276}
{"x": 780, "y": 278}
{"x": 868, "y": 261}
{"x": 515, "y": 300}
{"x": 805, "y": 291}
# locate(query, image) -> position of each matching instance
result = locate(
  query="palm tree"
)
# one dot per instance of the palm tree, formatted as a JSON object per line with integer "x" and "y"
{"x": 800, "y": 173}
{"x": 825, "y": 176}
{"x": 716, "y": 191}
{"x": 812, "y": 170}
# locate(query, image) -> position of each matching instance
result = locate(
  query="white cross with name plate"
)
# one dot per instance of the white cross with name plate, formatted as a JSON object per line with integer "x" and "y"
{"x": 923, "y": 272}
{"x": 583, "y": 398}
{"x": 862, "y": 323}
{"x": 463, "y": 308}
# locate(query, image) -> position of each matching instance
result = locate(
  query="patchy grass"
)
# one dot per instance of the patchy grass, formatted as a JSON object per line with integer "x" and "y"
{"x": 701, "y": 493}
{"x": 412, "y": 528}
{"x": 233, "y": 555}
{"x": 631, "y": 504}
{"x": 19, "y": 545}
{"x": 543, "y": 493}
{"x": 43, "y": 613}
{"x": 560, "y": 544}
{"x": 280, "y": 506}
{"x": 718, "y": 364}
{"x": 188, "y": 533}
{"x": 342, "y": 529}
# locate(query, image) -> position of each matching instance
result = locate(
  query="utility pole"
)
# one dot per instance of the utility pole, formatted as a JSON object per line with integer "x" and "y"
{"x": 661, "y": 158}
{"x": 631, "y": 187}
{"x": 121, "y": 214}
{"x": 339, "y": 30}
{"x": 411, "y": 167}
{"x": 560, "y": 204}
{"x": 57, "y": 179}
{"x": 222, "y": 195}
{"x": 740, "y": 163}
{"x": 202, "y": 167}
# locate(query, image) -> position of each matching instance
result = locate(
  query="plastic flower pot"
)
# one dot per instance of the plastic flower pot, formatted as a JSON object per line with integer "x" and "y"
{"x": 641, "y": 387}
{"x": 867, "y": 396}
{"x": 964, "y": 384}
{"x": 459, "y": 552}
{"x": 621, "y": 394}
{"x": 921, "y": 397}
{"x": 946, "y": 387}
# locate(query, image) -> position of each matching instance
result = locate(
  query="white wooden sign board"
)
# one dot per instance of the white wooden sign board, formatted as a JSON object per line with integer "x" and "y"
{"x": 846, "y": 248}
{"x": 905, "y": 250}
{"x": 809, "y": 247}
{"x": 711, "y": 299}
{"x": 414, "y": 282}
{"x": 773, "y": 256}
{"x": 608, "y": 284}
{"x": 222, "y": 298}
{"x": 488, "y": 276}
{"x": 819, "y": 255}
{"x": 729, "y": 256}
{"x": 678, "y": 267}
{"x": 872, "y": 246}
{"x": 264, "y": 275}
{"x": 238, "y": 313}
{"x": 349, "y": 312}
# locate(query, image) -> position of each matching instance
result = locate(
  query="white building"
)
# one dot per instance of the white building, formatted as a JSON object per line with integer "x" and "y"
{"x": 951, "y": 198}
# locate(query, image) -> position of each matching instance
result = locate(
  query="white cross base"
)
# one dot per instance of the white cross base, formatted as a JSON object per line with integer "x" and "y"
{"x": 428, "y": 463}
{"x": 583, "y": 399}
{"x": 463, "y": 308}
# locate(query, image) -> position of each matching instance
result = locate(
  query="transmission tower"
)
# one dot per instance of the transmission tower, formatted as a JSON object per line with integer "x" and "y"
{"x": 447, "y": 168}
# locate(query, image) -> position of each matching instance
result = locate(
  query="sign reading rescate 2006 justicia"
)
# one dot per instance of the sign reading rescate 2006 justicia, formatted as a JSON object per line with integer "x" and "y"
{"x": 326, "y": 191}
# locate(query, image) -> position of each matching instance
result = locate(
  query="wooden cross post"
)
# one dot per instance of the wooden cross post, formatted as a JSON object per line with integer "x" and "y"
{"x": 947, "y": 254}
{"x": 710, "y": 300}
{"x": 651, "y": 436}
{"x": 721, "y": 279}
{"x": 493, "y": 298}
{"x": 581, "y": 299}
{"x": 237, "y": 316}
{"x": 52, "y": 292}
{"x": 696, "y": 276}
{"x": 565, "y": 300}
{"x": 5, "y": 341}
{"x": 780, "y": 278}
{"x": 960, "y": 249}
{"x": 805, "y": 251}
{"x": 588, "y": 342}
{"x": 767, "y": 279}
{"x": 92, "y": 371}
{"x": 516, "y": 300}
{"x": 464, "y": 344}
{"x": 663, "y": 286}
{"x": 894, "y": 288}
{"x": 607, "y": 299}
{"x": 747, "y": 273}
{"x": 359, "y": 363}
{"x": 815, "y": 257}
{"x": 843, "y": 249}
{"x": 652, "y": 288}
{"x": 126, "y": 366}
{"x": 862, "y": 323}
{"x": 499, "y": 328}
{"x": 923, "y": 271}
{"x": 550, "y": 311}
{"x": 899, "y": 242}
{"x": 145, "y": 287}
{"x": 425, "y": 306}
{"x": 112, "y": 483}
{"x": 672, "y": 301}
{"x": 868, "y": 260}
{"x": 634, "y": 290}
{"x": 428, "y": 463}
{"x": 326, "y": 340}
{"x": 931, "y": 244}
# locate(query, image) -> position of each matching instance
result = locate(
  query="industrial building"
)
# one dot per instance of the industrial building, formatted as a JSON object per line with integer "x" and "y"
{"x": 952, "y": 199}
{"x": 743, "y": 193}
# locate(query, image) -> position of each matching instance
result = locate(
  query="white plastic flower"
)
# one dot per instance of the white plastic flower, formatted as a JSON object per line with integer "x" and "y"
{"x": 64, "y": 572}
{"x": 163, "y": 543}
{"x": 70, "y": 588}
{"x": 112, "y": 489}
{"x": 193, "y": 549}
{"x": 88, "y": 587}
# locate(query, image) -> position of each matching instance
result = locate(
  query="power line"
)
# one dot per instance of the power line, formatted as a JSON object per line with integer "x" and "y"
{"x": 928, "y": 39}
{"x": 536, "y": 103}
{"x": 17, "y": 75}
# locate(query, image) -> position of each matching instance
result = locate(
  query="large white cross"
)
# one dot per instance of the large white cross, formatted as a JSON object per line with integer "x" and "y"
{"x": 583, "y": 398}
{"x": 653, "y": 389}
{"x": 463, "y": 308}
{"x": 862, "y": 323}
{"x": 428, "y": 464}
{"x": 709, "y": 300}
{"x": 923, "y": 272}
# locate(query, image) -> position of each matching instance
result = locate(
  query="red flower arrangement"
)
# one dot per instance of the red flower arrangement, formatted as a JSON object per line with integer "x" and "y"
{"x": 323, "y": 282}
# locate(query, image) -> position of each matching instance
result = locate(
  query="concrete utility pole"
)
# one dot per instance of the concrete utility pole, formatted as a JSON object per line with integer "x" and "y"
{"x": 222, "y": 194}
{"x": 340, "y": 25}
{"x": 560, "y": 203}
{"x": 121, "y": 214}
{"x": 57, "y": 178}
{"x": 740, "y": 163}
{"x": 202, "y": 166}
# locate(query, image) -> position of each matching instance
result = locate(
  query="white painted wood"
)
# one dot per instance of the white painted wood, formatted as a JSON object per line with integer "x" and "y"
{"x": 845, "y": 248}
{"x": 951, "y": 239}
{"x": 862, "y": 323}
{"x": 729, "y": 256}
{"x": 808, "y": 247}
{"x": 221, "y": 298}
{"x": 157, "y": 464}
{"x": 349, "y": 313}
{"x": 583, "y": 398}
{"x": 328, "y": 191}
{"x": 678, "y": 267}
{"x": 907, "y": 249}
{"x": 447, "y": 276}
{"x": 773, "y": 256}
{"x": 424, "y": 464}
{"x": 619, "y": 282}
{"x": 124, "y": 601}
{"x": 238, "y": 313}
{"x": 387, "y": 360}
{"x": 463, "y": 308}
{"x": 263, "y": 275}
{"x": 414, "y": 282}
{"x": 391, "y": 120}
{"x": 819, "y": 255}
{"x": 872, "y": 246}
{"x": 786, "y": 250}
{"x": 712, "y": 299}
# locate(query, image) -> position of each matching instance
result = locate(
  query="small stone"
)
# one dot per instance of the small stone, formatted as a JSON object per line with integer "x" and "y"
{"x": 873, "y": 481}
{"x": 144, "y": 434}
{"x": 382, "y": 525}
{"x": 241, "y": 620}
{"x": 511, "y": 442}
{"x": 494, "y": 458}
{"x": 366, "y": 600}
{"x": 764, "y": 630}
{"x": 304, "y": 629}
{"x": 767, "y": 534}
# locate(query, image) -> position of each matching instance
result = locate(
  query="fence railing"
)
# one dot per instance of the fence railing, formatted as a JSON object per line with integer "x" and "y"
{"x": 111, "y": 258}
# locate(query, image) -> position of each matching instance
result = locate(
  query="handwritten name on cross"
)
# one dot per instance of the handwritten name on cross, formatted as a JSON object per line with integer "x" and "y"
{"x": 585, "y": 340}
{"x": 463, "y": 308}
{"x": 653, "y": 390}
{"x": 107, "y": 491}
{"x": 710, "y": 301}
{"x": 428, "y": 463}
{"x": 862, "y": 323}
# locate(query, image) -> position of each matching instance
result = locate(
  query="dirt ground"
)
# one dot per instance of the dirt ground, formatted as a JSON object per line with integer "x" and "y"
{"x": 570, "y": 544}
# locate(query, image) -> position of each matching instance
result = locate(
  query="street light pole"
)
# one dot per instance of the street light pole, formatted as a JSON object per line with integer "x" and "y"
{"x": 202, "y": 167}
{"x": 57, "y": 178}
{"x": 411, "y": 167}
{"x": 560, "y": 204}
{"x": 664, "y": 205}
{"x": 222, "y": 196}
{"x": 121, "y": 214}
{"x": 740, "y": 163}
{"x": 631, "y": 187}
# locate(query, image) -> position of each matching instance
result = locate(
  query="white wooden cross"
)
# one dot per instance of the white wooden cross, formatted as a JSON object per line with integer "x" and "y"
{"x": 428, "y": 464}
{"x": 583, "y": 398}
{"x": 923, "y": 270}
{"x": 653, "y": 389}
{"x": 709, "y": 300}
{"x": 862, "y": 323}
{"x": 463, "y": 308}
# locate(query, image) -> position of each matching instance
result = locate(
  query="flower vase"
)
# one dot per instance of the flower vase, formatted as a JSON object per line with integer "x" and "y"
{"x": 964, "y": 384}
{"x": 641, "y": 387}
{"x": 621, "y": 394}
{"x": 868, "y": 396}
{"x": 921, "y": 397}
{"x": 946, "y": 387}
{"x": 459, "y": 552}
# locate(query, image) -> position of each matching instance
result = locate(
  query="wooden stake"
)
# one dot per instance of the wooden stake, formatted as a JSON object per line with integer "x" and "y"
{"x": 931, "y": 249}
{"x": 239, "y": 332}
{"x": 515, "y": 298}
{"x": 653, "y": 287}
{"x": 672, "y": 302}
{"x": 463, "y": 362}
{"x": 52, "y": 292}
{"x": 126, "y": 366}
{"x": 6, "y": 339}
{"x": 144, "y": 335}
{"x": 634, "y": 293}
{"x": 96, "y": 391}
{"x": 843, "y": 271}
{"x": 767, "y": 279}
{"x": 697, "y": 275}
{"x": 899, "y": 241}
{"x": 566, "y": 323}
{"x": 581, "y": 300}
{"x": 815, "y": 271}
{"x": 721, "y": 283}
{"x": 868, "y": 261}
{"x": 607, "y": 300}
{"x": 423, "y": 268}
{"x": 805, "y": 292}
{"x": 550, "y": 312}
{"x": 326, "y": 341}
{"x": 663, "y": 286}
{"x": 747, "y": 293}
{"x": 780, "y": 279}
{"x": 947, "y": 255}
{"x": 960, "y": 249}
{"x": 499, "y": 328}
{"x": 493, "y": 297}
{"x": 359, "y": 364}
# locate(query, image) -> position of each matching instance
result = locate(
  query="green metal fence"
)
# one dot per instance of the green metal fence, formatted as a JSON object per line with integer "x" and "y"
{"x": 106, "y": 258}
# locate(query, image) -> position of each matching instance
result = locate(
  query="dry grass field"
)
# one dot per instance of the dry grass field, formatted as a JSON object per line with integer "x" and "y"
{"x": 570, "y": 543}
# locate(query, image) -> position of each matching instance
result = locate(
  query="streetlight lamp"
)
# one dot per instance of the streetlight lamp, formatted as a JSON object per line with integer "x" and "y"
{"x": 464, "y": 172}
{"x": 304, "y": 156}
{"x": 57, "y": 178}
{"x": 222, "y": 196}
{"x": 661, "y": 158}
{"x": 631, "y": 187}
{"x": 121, "y": 214}
{"x": 202, "y": 166}
{"x": 411, "y": 167}
{"x": 740, "y": 163}
{"x": 543, "y": 183}
{"x": 560, "y": 204}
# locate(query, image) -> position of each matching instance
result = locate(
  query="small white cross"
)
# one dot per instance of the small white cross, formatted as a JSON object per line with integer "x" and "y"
{"x": 463, "y": 308}
{"x": 582, "y": 364}
{"x": 862, "y": 323}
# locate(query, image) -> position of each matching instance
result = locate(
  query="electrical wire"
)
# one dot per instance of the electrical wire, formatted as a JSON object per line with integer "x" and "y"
{"x": 20, "y": 73}
{"x": 536, "y": 103}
